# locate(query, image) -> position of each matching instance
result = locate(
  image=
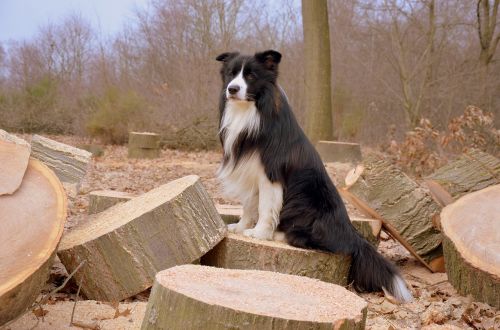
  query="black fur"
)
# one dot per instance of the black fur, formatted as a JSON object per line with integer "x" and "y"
{"x": 313, "y": 214}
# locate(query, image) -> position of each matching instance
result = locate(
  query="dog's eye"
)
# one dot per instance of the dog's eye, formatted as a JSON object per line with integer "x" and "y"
{"x": 251, "y": 76}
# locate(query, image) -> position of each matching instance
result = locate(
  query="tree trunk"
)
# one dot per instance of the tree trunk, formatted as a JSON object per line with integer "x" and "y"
{"x": 32, "y": 224}
{"x": 318, "y": 99}
{"x": 127, "y": 244}
{"x": 199, "y": 297}
{"x": 474, "y": 170}
{"x": 69, "y": 163}
{"x": 471, "y": 231}
{"x": 240, "y": 252}
{"x": 408, "y": 207}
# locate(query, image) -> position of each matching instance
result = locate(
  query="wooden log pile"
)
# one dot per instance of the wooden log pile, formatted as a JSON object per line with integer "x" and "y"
{"x": 131, "y": 243}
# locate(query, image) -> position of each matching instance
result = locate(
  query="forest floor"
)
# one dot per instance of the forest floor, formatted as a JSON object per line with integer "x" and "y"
{"x": 436, "y": 306}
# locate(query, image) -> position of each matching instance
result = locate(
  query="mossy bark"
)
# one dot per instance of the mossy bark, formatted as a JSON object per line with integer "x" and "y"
{"x": 467, "y": 279}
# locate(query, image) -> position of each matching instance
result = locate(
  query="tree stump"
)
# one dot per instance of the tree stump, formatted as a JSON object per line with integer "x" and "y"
{"x": 14, "y": 157}
{"x": 127, "y": 244}
{"x": 471, "y": 231}
{"x": 368, "y": 228}
{"x": 473, "y": 171}
{"x": 408, "y": 207}
{"x": 32, "y": 224}
{"x": 343, "y": 152}
{"x": 101, "y": 200}
{"x": 240, "y": 252}
{"x": 199, "y": 297}
{"x": 143, "y": 145}
{"x": 68, "y": 163}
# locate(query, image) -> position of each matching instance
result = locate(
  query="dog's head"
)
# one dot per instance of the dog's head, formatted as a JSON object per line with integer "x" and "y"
{"x": 246, "y": 77}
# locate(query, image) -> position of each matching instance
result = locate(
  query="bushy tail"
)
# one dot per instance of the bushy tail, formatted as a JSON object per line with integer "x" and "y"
{"x": 370, "y": 271}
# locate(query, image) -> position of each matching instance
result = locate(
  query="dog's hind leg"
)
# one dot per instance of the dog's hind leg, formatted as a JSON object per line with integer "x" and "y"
{"x": 270, "y": 204}
{"x": 249, "y": 216}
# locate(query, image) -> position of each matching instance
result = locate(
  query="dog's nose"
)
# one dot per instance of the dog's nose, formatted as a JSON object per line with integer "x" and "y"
{"x": 233, "y": 89}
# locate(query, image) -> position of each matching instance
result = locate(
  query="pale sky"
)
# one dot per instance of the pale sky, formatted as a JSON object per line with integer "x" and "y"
{"x": 20, "y": 19}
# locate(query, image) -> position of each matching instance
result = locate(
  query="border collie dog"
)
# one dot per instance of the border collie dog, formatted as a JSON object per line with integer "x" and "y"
{"x": 270, "y": 165}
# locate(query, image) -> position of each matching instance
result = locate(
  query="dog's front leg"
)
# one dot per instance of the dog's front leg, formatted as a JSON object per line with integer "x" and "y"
{"x": 270, "y": 204}
{"x": 249, "y": 216}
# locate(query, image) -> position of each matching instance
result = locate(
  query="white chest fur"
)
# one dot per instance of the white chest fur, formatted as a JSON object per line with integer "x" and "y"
{"x": 238, "y": 116}
{"x": 240, "y": 181}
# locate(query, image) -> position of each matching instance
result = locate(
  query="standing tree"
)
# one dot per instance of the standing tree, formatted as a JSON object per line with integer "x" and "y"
{"x": 486, "y": 23}
{"x": 318, "y": 99}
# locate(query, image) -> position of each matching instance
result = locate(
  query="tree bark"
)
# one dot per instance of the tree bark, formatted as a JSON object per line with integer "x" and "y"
{"x": 471, "y": 231}
{"x": 199, "y": 297}
{"x": 69, "y": 163}
{"x": 318, "y": 99}
{"x": 474, "y": 170}
{"x": 127, "y": 244}
{"x": 30, "y": 235}
{"x": 404, "y": 204}
{"x": 240, "y": 252}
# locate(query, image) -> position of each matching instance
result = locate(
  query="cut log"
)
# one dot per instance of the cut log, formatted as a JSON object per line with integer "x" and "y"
{"x": 101, "y": 200}
{"x": 471, "y": 230}
{"x": 127, "y": 244}
{"x": 14, "y": 157}
{"x": 143, "y": 145}
{"x": 240, "y": 252}
{"x": 369, "y": 228}
{"x": 69, "y": 163}
{"x": 473, "y": 171}
{"x": 144, "y": 140}
{"x": 343, "y": 152}
{"x": 32, "y": 224}
{"x": 198, "y": 297}
{"x": 402, "y": 203}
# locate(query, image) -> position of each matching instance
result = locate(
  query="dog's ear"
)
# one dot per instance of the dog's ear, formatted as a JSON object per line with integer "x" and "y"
{"x": 270, "y": 59}
{"x": 226, "y": 57}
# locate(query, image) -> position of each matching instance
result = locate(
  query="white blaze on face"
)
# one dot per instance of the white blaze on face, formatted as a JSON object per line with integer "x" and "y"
{"x": 238, "y": 81}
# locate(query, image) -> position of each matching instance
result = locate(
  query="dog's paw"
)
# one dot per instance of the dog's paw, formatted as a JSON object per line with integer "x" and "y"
{"x": 235, "y": 228}
{"x": 258, "y": 233}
